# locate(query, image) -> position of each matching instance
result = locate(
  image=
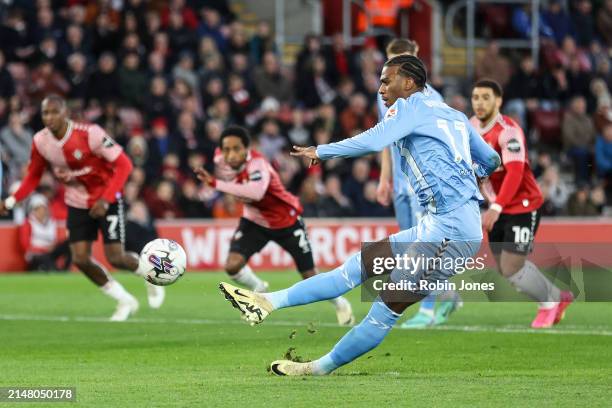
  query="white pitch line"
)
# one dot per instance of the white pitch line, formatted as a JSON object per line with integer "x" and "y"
{"x": 571, "y": 330}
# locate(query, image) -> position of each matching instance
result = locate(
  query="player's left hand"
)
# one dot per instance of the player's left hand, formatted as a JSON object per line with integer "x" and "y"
{"x": 308, "y": 152}
{"x": 205, "y": 176}
{"x": 98, "y": 210}
{"x": 489, "y": 218}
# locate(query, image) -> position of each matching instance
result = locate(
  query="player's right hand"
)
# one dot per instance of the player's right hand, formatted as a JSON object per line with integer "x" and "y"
{"x": 205, "y": 176}
{"x": 308, "y": 152}
{"x": 383, "y": 193}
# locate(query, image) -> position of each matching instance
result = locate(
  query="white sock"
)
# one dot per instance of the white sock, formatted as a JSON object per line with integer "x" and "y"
{"x": 339, "y": 301}
{"x": 534, "y": 284}
{"x": 247, "y": 278}
{"x": 115, "y": 290}
{"x": 142, "y": 268}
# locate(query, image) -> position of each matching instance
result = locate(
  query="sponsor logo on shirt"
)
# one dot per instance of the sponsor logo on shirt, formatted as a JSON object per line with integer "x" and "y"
{"x": 77, "y": 154}
{"x": 514, "y": 146}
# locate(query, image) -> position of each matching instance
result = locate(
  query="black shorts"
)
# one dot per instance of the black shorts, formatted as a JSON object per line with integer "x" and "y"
{"x": 82, "y": 227}
{"x": 514, "y": 232}
{"x": 250, "y": 238}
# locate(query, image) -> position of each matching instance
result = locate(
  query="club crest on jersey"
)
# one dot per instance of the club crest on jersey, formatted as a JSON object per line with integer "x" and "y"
{"x": 77, "y": 154}
{"x": 390, "y": 113}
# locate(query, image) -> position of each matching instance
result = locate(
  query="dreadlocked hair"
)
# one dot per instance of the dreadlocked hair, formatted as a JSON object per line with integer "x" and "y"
{"x": 410, "y": 66}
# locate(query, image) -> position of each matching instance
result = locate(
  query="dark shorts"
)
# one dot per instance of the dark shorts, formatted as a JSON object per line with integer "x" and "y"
{"x": 514, "y": 232}
{"x": 82, "y": 227}
{"x": 250, "y": 238}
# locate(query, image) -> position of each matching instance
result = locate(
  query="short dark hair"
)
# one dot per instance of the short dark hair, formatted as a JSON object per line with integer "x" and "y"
{"x": 55, "y": 98}
{"x": 402, "y": 46}
{"x": 237, "y": 131}
{"x": 410, "y": 66}
{"x": 491, "y": 84}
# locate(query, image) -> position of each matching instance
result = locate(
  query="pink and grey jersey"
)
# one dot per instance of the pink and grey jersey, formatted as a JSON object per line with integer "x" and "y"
{"x": 267, "y": 202}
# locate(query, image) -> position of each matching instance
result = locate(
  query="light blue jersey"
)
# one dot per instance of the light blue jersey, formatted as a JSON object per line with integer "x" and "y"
{"x": 400, "y": 182}
{"x": 405, "y": 203}
{"x": 439, "y": 150}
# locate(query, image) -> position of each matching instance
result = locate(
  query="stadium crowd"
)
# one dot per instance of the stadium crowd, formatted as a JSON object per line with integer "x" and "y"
{"x": 165, "y": 78}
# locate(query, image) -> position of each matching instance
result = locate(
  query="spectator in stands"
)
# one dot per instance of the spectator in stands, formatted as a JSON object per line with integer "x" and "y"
{"x": 157, "y": 103}
{"x": 310, "y": 196}
{"x": 492, "y": 64}
{"x": 315, "y": 88}
{"x": 521, "y": 22}
{"x": 270, "y": 140}
{"x": 521, "y": 94}
{"x": 580, "y": 202}
{"x": 269, "y": 81}
{"x": 584, "y": 23}
{"x": 261, "y": 42}
{"x": 105, "y": 80}
{"x": 340, "y": 59}
{"x": 162, "y": 203}
{"x": 181, "y": 38}
{"x": 555, "y": 191}
{"x": 7, "y": 83}
{"x": 38, "y": 236}
{"x": 190, "y": 204}
{"x": 132, "y": 81}
{"x": 603, "y": 158}
{"x": 604, "y": 22}
{"x": 210, "y": 26}
{"x": 558, "y": 19}
{"x": 370, "y": 206}
{"x": 15, "y": 145}
{"x": 356, "y": 118}
{"x": 578, "y": 135}
{"x": 78, "y": 78}
{"x": 353, "y": 186}
{"x": 334, "y": 203}
{"x": 46, "y": 80}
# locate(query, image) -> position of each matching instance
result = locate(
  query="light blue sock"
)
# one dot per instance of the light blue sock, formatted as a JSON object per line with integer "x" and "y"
{"x": 361, "y": 339}
{"x": 322, "y": 286}
{"x": 428, "y": 304}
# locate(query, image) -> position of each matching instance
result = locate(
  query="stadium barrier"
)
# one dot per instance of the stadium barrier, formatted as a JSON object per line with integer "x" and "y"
{"x": 207, "y": 241}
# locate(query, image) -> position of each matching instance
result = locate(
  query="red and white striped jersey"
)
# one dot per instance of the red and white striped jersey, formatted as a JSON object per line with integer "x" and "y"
{"x": 267, "y": 202}
{"x": 84, "y": 158}
{"x": 514, "y": 196}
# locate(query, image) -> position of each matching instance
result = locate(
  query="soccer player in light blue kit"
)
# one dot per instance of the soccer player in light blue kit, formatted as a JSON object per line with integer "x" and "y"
{"x": 441, "y": 153}
{"x": 393, "y": 182}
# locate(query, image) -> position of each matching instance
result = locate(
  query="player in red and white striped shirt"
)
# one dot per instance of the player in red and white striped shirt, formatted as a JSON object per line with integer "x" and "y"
{"x": 514, "y": 201}
{"x": 270, "y": 213}
{"x": 94, "y": 169}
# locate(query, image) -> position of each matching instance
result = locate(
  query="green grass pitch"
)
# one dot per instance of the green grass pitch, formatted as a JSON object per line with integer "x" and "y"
{"x": 196, "y": 352}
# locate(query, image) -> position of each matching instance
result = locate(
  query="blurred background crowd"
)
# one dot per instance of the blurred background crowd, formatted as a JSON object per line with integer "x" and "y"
{"x": 165, "y": 77}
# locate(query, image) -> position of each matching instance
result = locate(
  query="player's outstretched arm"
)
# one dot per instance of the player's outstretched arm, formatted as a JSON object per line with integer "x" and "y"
{"x": 401, "y": 119}
{"x": 253, "y": 189}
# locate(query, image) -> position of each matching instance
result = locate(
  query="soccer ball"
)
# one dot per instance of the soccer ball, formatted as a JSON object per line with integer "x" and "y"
{"x": 163, "y": 261}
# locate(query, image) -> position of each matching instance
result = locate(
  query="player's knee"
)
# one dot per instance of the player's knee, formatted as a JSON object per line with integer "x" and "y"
{"x": 509, "y": 269}
{"x": 116, "y": 260}
{"x": 233, "y": 266}
{"x": 82, "y": 261}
